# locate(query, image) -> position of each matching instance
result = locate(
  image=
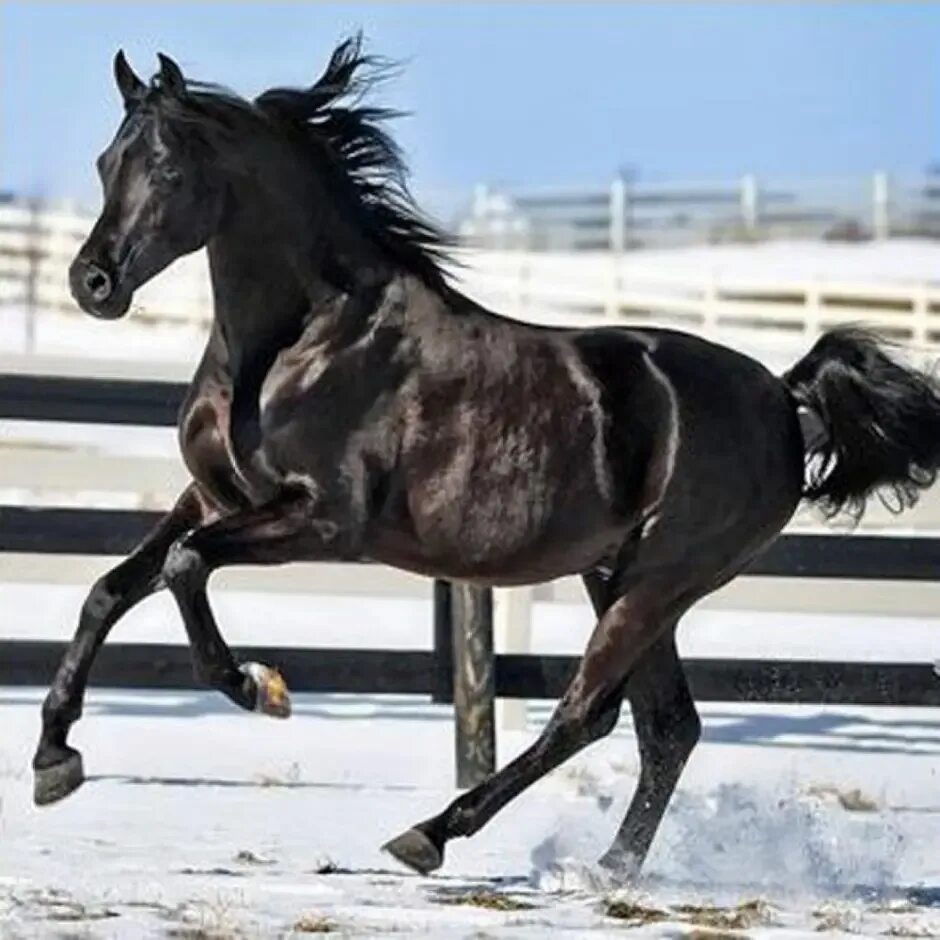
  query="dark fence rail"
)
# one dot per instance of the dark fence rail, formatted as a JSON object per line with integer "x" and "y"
{"x": 115, "y": 532}
{"x": 71, "y": 531}
{"x": 520, "y": 676}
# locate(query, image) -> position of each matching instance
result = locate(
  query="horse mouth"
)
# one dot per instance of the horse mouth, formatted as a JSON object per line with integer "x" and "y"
{"x": 114, "y": 307}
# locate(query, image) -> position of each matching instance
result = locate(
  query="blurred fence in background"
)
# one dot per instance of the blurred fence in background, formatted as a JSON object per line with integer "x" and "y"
{"x": 629, "y": 214}
{"x": 774, "y": 294}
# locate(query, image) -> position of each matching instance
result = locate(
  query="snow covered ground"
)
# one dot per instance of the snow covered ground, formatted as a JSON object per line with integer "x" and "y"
{"x": 198, "y": 821}
{"x": 201, "y": 822}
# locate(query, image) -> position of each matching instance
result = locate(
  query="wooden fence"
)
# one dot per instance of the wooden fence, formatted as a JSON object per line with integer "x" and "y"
{"x": 461, "y": 666}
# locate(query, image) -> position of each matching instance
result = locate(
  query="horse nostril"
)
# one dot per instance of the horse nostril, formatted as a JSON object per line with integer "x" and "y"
{"x": 97, "y": 283}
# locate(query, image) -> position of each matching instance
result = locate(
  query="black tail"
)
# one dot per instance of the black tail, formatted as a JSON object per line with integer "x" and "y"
{"x": 880, "y": 422}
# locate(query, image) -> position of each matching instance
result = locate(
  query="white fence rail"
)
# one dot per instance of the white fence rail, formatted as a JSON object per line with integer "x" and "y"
{"x": 633, "y": 214}
{"x": 545, "y": 285}
{"x": 699, "y": 290}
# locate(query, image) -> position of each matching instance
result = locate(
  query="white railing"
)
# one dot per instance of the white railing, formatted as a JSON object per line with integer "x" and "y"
{"x": 638, "y": 214}
{"x": 744, "y": 295}
{"x": 783, "y": 311}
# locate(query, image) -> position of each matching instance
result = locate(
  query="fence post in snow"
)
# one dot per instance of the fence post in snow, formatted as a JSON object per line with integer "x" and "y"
{"x": 474, "y": 683}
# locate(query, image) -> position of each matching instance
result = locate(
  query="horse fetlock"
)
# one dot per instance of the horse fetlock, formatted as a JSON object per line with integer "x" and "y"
{"x": 271, "y": 695}
{"x": 463, "y": 817}
{"x": 59, "y": 710}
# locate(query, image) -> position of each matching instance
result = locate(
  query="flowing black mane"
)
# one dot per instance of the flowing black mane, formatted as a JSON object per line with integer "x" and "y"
{"x": 332, "y": 117}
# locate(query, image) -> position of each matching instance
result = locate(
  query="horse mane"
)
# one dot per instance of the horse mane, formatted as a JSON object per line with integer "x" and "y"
{"x": 366, "y": 161}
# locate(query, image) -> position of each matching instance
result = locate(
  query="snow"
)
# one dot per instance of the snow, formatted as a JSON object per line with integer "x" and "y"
{"x": 892, "y": 262}
{"x": 198, "y": 816}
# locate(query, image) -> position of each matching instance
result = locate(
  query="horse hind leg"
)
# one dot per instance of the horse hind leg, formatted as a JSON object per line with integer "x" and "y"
{"x": 667, "y": 729}
{"x": 586, "y": 712}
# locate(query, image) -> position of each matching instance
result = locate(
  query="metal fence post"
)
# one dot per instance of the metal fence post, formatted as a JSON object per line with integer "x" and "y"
{"x": 474, "y": 683}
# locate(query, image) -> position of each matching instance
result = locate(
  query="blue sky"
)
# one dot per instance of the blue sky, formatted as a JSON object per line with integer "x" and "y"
{"x": 516, "y": 94}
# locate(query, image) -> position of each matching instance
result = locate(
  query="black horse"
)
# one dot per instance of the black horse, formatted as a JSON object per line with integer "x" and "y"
{"x": 351, "y": 404}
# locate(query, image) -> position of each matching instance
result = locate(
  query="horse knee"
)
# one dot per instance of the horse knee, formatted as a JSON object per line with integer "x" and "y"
{"x": 182, "y": 565}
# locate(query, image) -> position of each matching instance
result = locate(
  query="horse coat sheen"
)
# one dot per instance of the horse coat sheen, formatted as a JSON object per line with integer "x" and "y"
{"x": 351, "y": 404}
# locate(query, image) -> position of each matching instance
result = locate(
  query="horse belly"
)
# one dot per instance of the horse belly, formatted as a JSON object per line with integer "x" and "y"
{"x": 502, "y": 531}
{"x": 473, "y": 559}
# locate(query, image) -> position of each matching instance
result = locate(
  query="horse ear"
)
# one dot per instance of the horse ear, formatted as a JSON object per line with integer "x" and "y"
{"x": 171, "y": 76}
{"x": 131, "y": 87}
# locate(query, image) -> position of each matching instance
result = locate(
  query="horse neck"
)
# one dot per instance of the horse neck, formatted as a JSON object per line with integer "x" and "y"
{"x": 283, "y": 253}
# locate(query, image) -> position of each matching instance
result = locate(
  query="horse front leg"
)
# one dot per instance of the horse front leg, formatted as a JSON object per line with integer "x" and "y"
{"x": 283, "y": 530}
{"x": 57, "y": 766}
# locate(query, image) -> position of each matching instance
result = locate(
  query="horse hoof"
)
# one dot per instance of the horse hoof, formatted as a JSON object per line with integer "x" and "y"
{"x": 56, "y": 782}
{"x": 416, "y": 851}
{"x": 271, "y": 695}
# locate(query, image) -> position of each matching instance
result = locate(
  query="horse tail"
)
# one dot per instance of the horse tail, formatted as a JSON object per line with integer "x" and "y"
{"x": 878, "y": 424}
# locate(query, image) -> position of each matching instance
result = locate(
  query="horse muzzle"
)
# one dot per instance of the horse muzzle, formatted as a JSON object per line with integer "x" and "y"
{"x": 97, "y": 290}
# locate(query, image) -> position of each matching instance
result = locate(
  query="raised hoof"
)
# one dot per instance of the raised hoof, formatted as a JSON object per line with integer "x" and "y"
{"x": 54, "y": 783}
{"x": 416, "y": 851}
{"x": 271, "y": 695}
